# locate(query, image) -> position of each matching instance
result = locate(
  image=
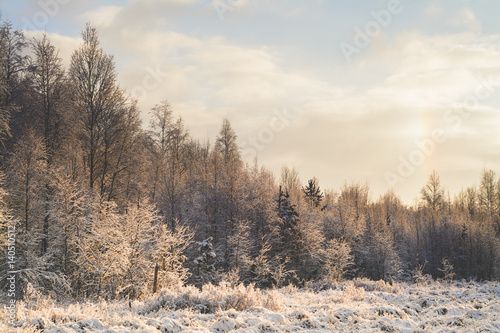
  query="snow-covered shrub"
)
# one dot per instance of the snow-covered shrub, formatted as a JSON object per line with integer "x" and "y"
{"x": 102, "y": 255}
{"x": 34, "y": 298}
{"x": 35, "y": 273}
{"x": 352, "y": 293}
{"x": 380, "y": 285}
{"x": 231, "y": 278}
{"x": 418, "y": 274}
{"x": 241, "y": 298}
{"x": 290, "y": 289}
{"x": 273, "y": 300}
{"x": 447, "y": 270}
{"x": 280, "y": 272}
{"x": 211, "y": 299}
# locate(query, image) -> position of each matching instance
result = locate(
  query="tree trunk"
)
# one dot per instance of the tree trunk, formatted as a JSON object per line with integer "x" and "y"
{"x": 155, "y": 278}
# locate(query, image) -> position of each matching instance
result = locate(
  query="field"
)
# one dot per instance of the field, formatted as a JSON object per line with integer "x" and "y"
{"x": 351, "y": 306}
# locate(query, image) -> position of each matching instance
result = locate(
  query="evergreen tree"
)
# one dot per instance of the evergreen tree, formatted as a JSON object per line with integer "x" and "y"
{"x": 205, "y": 262}
{"x": 287, "y": 213}
{"x": 312, "y": 193}
{"x": 291, "y": 235}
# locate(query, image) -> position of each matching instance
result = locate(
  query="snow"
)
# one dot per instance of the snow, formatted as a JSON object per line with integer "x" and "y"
{"x": 352, "y": 306}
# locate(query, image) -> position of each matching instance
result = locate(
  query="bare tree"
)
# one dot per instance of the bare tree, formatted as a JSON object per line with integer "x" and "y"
{"x": 291, "y": 183}
{"x": 227, "y": 171}
{"x": 12, "y": 65}
{"x": 46, "y": 77}
{"x": 47, "y": 74}
{"x": 12, "y": 60}
{"x": 99, "y": 102}
{"x": 174, "y": 176}
{"x": 161, "y": 121}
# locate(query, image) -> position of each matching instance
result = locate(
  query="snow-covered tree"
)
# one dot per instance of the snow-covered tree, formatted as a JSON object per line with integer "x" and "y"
{"x": 70, "y": 205}
{"x": 351, "y": 212}
{"x": 290, "y": 233}
{"x": 205, "y": 262}
{"x": 26, "y": 177}
{"x": 138, "y": 224}
{"x": 240, "y": 244}
{"x": 168, "y": 255}
{"x": 173, "y": 177}
{"x": 337, "y": 260}
{"x": 103, "y": 254}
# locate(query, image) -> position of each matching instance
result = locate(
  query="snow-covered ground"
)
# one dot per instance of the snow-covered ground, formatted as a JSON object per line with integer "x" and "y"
{"x": 351, "y": 306}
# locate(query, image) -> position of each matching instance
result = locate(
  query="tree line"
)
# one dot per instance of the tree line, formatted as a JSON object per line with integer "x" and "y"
{"x": 105, "y": 208}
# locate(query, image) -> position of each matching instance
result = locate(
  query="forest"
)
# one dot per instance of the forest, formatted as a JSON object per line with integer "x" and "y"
{"x": 95, "y": 204}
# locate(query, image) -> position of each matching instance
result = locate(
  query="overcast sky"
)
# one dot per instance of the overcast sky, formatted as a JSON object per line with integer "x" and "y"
{"x": 371, "y": 91}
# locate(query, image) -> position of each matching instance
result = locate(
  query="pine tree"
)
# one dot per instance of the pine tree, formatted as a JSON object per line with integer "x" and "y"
{"x": 290, "y": 233}
{"x": 312, "y": 193}
{"x": 287, "y": 213}
{"x": 205, "y": 262}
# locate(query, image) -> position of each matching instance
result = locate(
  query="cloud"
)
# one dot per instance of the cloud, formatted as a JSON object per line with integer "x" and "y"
{"x": 466, "y": 19}
{"x": 65, "y": 45}
{"x": 434, "y": 10}
{"x": 293, "y": 13}
{"x": 334, "y": 129}
{"x": 427, "y": 76}
{"x": 103, "y": 16}
{"x": 352, "y": 124}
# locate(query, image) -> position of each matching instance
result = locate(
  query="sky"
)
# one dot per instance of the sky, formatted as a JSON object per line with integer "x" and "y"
{"x": 377, "y": 92}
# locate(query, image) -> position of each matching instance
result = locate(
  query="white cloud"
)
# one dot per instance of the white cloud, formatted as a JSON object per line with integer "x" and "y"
{"x": 466, "y": 19}
{"x": 336, "y": 131}
{"x": 103, "y": 16}
{"x": 332, "y": 127}
{"x": 65, "y": 45}
{"x": 434, "y": 10}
